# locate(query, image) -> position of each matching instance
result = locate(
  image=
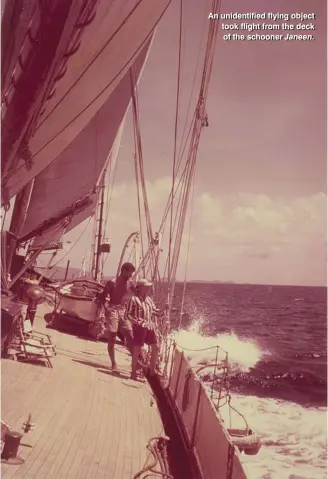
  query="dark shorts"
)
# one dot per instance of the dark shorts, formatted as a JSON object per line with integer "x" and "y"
{"x": 142, "y": 336}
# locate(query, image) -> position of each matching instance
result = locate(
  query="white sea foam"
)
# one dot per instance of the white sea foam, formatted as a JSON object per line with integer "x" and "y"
{"x": 245, "y": 354}
{"x": 294, "y": 437}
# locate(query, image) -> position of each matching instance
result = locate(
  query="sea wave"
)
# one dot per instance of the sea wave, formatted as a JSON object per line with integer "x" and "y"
{"x": 294, "y": 437}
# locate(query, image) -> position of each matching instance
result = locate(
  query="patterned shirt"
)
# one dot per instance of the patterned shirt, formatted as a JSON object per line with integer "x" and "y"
{"x": 141, "y": 310}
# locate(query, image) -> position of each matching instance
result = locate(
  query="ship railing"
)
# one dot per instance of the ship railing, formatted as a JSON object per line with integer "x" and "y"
{"x": 197, "y": 408}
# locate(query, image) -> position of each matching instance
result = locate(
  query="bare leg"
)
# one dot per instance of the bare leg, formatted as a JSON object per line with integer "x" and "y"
{"x": 153, "y": 359}
{"x": 135, "y": 357}
{"x": 111, "y": 349}
{"x": 128, "y": 334}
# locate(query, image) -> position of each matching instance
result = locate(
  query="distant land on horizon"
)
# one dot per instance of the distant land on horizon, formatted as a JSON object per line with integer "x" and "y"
{"x": 58, "y": 274}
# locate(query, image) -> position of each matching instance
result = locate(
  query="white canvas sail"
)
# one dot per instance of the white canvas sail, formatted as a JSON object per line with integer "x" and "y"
{"x": 108, "y": 180}
{"x": 76, "y": 171}
{"x": 37, "y": 42}
{"x": 108, "y": 48}
{"x": 55, "y": 234}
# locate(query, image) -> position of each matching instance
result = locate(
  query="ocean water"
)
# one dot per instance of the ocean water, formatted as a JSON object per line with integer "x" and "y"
{"x": 276, "y": 340}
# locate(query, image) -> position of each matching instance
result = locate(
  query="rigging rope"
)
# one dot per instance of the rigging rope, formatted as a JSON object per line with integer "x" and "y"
{"x": 141, "y": 188}
{"x": 205, "y": 20}
{"x": 109, "y": 199}
{"x": 93, "y": 59}
{"x": 141, "y": 166}
{"x": 187, "y": 258}
{"x": 34, "y": 255}
{"x": 184, "y": 142}
{"x": 74, "y": 244}
{"x": 18, "y": 135}
{"x": 93, "y": 245}
{"x": 186, "y": 181}
{"x": 200, "y": 121}
{"x": 135, "y": 157}
{"x": 138, "y": 50}
{"x": 175, "y": 142}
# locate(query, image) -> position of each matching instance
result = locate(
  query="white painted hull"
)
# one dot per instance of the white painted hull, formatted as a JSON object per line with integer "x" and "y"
{"x": 85, "y": 310}
{"x": 79, "y": 300}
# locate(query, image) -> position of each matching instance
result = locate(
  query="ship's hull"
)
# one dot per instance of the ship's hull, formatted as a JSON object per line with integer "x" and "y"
{"x": 83, "y": 310}
{"x": 206, "y": 439}
{"x": 78, "y": 300}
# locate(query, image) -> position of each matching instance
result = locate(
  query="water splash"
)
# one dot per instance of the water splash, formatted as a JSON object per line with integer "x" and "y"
{"x": 294, "y": 437}
{"x": 242, "y": 353}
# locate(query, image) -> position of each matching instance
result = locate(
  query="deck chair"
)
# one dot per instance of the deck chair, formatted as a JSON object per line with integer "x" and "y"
{"x": 31, "y": 349}
{"x": 30, "y": 334}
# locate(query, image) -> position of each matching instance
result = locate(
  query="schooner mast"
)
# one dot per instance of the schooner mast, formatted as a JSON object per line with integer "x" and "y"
{"x": 100, "y": 247}
{"x": 17, "y": 220}
{"x": 100, "y": 232}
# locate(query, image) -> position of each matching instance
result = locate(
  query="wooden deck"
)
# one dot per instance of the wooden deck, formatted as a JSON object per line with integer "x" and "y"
{"x": 89, "y": 424}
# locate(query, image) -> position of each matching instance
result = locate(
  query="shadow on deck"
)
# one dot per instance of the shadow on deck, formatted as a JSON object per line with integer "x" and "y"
{"x": 89, "y": 423}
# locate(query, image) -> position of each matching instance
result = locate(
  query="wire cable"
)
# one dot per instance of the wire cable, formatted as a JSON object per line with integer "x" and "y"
{"x": 74, "y": 244}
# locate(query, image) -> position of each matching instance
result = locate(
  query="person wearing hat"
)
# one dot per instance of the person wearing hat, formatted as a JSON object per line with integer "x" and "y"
{"x": 140, "y": 311}
{"x": 114, "y": 299}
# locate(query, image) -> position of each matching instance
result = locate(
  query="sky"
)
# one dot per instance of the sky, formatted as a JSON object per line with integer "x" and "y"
{"x": 259, "y": 209}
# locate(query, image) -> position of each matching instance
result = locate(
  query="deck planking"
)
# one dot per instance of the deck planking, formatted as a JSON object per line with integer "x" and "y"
{"x": 89, "y": 424}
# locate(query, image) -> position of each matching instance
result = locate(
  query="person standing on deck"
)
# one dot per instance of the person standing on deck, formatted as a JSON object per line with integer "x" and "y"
{"x": 140, "y": 311}
{"x": 114, "y": 300}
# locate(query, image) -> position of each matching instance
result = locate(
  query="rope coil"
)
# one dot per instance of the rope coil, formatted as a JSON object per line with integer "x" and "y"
{"x": 157, "y": 448}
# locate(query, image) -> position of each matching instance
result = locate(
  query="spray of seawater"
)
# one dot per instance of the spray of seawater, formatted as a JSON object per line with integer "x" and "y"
{"x": 294, "y": 438}
{"x": 202, "y": 349}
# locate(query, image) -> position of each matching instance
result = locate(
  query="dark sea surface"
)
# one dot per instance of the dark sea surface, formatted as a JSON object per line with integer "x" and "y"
{"x": 287, "y": 323}
{"x": 276, "y": 338}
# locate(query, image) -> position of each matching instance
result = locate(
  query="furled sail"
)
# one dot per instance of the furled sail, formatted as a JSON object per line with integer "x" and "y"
{"x": 73, "y": 176}
{"x": 109, "y": 45}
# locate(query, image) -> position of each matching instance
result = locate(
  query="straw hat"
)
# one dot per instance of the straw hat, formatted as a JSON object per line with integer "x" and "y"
{"x": 143, "y": 282}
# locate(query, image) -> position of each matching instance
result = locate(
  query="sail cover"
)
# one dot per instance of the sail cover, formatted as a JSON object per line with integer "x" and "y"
{"x": 76, "y": 171}
{"x": 109, "y": 45}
